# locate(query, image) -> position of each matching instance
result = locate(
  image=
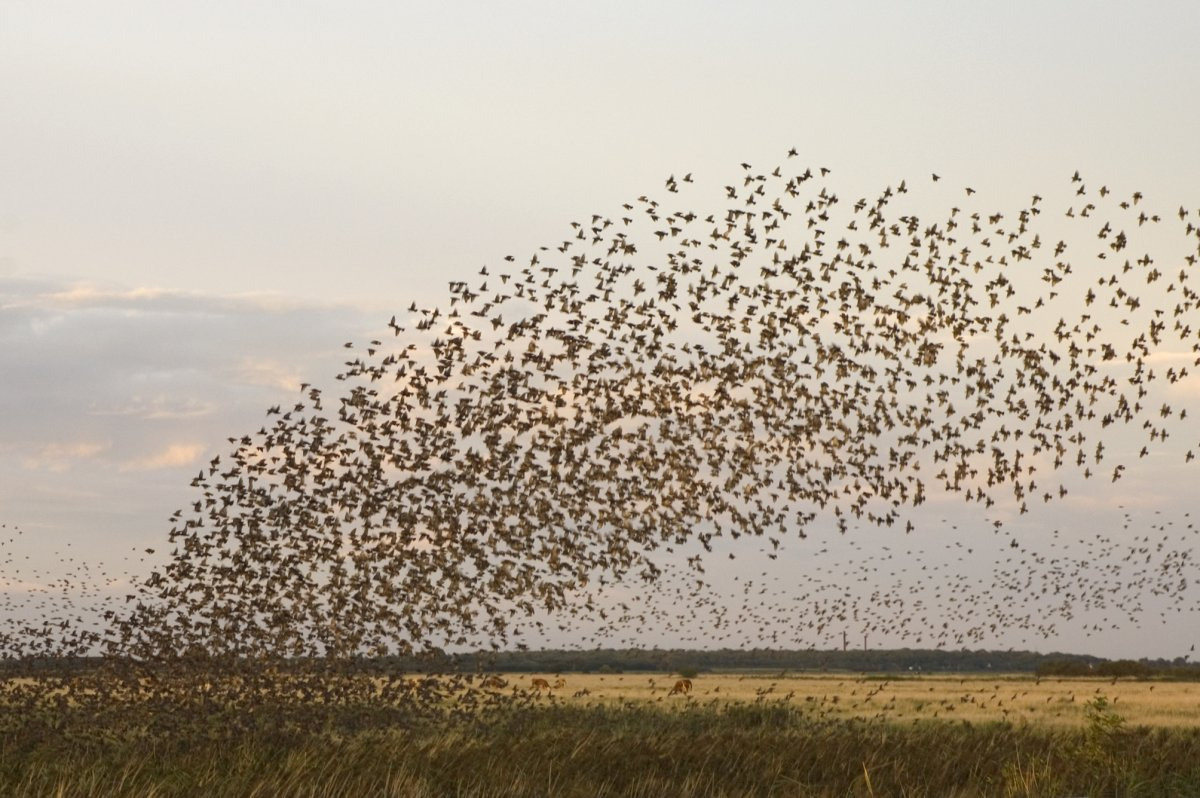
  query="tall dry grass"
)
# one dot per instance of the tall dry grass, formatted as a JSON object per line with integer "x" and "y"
{"x": 978, "y": 698}
{"x": 734, "y": 749}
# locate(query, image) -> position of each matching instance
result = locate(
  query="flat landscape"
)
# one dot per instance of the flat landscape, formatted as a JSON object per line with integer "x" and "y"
{"x": 734, "y": 733}
{"x": 978, "y": 698}
{"x": 567, "y": 399}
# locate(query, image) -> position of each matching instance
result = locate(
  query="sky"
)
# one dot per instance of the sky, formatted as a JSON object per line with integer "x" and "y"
{"x": 200, "y": 202}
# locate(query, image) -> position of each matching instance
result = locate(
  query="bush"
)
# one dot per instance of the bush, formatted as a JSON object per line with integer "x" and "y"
{"x": 1124, "y": 667}
{"x": 1065, "y": 667}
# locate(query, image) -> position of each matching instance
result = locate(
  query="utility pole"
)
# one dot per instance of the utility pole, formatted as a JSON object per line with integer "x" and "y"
{"x": 845, "y": 641}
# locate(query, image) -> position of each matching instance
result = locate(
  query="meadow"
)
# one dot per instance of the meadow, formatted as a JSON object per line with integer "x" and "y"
{"x": 976, "y": 698}
{"x": 758, "y": 733}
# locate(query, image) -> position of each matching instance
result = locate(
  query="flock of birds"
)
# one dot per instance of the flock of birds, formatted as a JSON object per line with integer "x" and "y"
{"x": 617, "y": 410}
{"x": 962, "y": 593}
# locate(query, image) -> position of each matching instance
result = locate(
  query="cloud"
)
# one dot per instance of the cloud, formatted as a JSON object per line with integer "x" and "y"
{"x": 91, "y": 357}
{"x": 80, "y": 294}
{"x": 1164, "y": 357}
{"x": 23, "y": 292}
{"x": 1188, "y": 387}
{"x": 267, "y": 374}
{"x": 157, "y": 408}
{"x": 111, "y": 393}
{"x": 61, "y": 456}
{"x": 174, "y": 456}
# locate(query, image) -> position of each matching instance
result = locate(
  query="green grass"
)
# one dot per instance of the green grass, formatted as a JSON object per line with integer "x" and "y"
{"x": 635, "y": 751}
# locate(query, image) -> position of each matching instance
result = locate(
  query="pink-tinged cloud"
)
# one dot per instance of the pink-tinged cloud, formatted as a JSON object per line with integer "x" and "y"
{"x": 157, "y": 408}
{"x": 174, "y": 456}
{"x": 60, "y": 456}
{"x": 267, "y": 374}
{"x": 1187, "y": 387}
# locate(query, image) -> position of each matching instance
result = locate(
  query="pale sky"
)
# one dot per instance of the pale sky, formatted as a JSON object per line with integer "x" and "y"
{"x": 200, "y": 202}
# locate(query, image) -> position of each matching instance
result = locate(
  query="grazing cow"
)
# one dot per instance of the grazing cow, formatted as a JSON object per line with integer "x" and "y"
{"x": 683, "y": 687}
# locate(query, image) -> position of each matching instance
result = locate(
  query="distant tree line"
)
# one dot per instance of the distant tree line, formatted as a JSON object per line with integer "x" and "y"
{"x": 903, "y": 660}
{"x": 1137, "y": 669}
{"x": 609, "y": 660}
{"x": 675, "y": 660}
{"x": 672, "y": 660}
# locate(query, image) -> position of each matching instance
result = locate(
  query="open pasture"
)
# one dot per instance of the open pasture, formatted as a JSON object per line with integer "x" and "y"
{"x": 637, "y": 733}
{"x": 977, "y": 698}
{"x": 641, "y": 747}
{"x": 1057, "y": 702}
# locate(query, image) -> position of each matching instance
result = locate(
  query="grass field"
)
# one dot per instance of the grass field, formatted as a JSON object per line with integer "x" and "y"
{"x": 747, "y": 734}
{"x": 972, "y": 697}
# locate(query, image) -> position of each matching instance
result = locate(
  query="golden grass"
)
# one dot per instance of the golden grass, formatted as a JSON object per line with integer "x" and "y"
{"x": 971, "y": 697}
{"x": 641, "y": 749}
{"x": 1016, "y": 698}
{"x": 752, "y": 733}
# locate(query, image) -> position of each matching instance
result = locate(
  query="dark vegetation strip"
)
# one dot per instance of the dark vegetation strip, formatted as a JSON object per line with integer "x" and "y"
{"x": 671, "y": 660}
{"x": 736, "y": 750}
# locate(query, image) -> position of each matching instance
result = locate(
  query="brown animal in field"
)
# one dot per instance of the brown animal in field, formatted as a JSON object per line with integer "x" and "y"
{"x": 495, "y": 682}
{"x": 560, "y": 683}
{"x": 683, "y": 687}
{"x": 538, "y": 685}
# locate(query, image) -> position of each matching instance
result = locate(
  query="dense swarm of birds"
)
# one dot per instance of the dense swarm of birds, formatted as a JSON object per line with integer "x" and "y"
{"x": 967, "y": 591}
{"x": 614, "y": 408}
